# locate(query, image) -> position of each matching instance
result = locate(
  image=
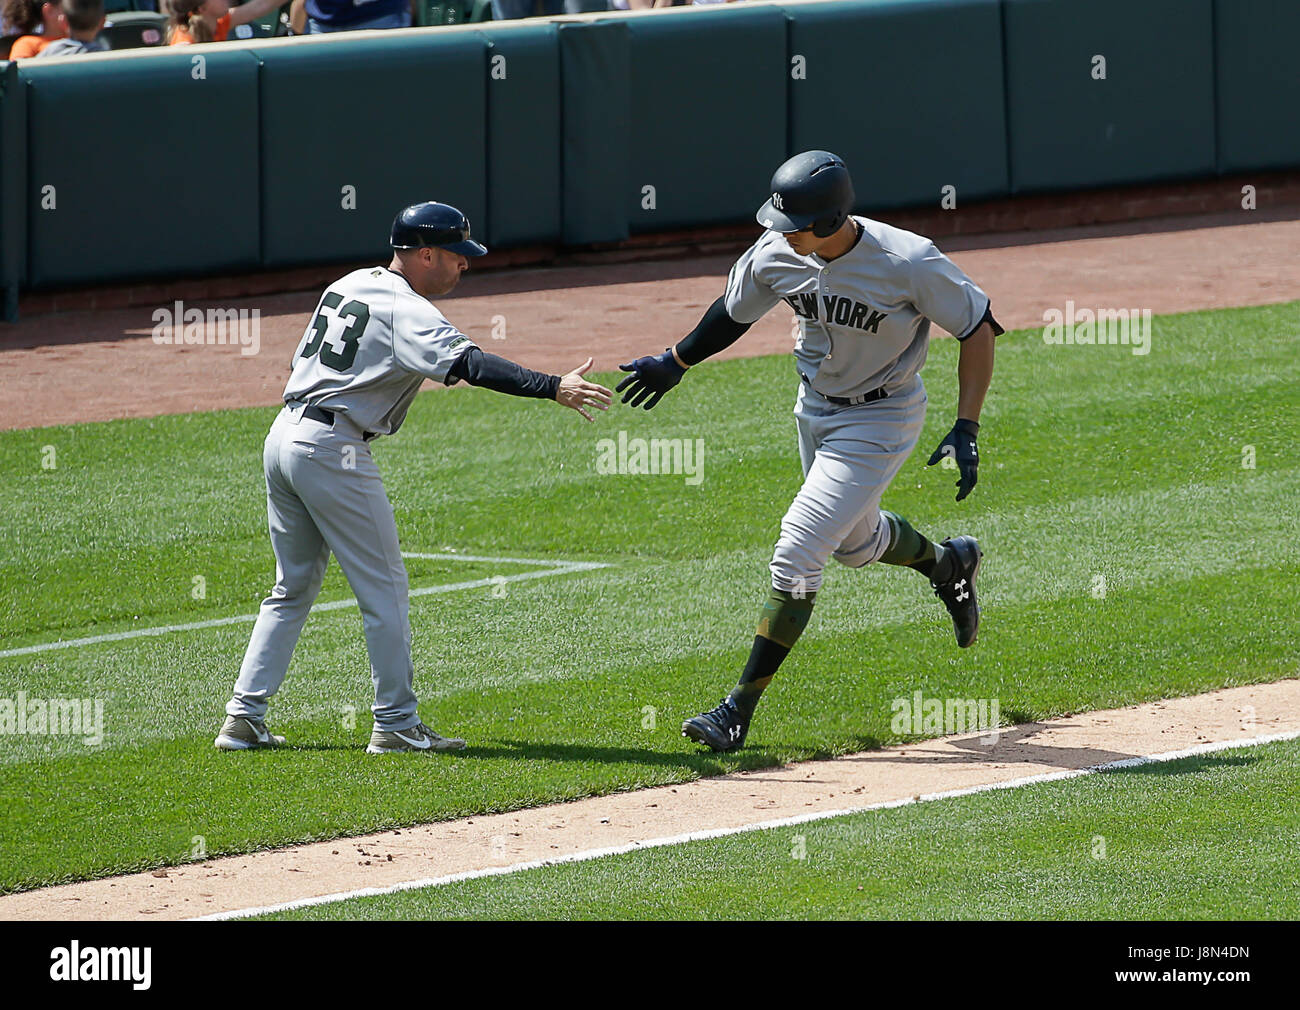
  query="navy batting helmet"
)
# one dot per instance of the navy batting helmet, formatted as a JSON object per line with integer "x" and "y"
{"x": 434, "y": 224}
{"x": 811, "y": 190}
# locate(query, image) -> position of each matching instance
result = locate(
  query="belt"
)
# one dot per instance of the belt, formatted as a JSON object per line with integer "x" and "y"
{"x": 327, "y": 417}
{"x": 847, "y": 401}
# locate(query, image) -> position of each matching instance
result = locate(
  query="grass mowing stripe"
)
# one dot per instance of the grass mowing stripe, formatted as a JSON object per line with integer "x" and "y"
{"x": 587, "y": 855}
{"x": 559, "y": 568}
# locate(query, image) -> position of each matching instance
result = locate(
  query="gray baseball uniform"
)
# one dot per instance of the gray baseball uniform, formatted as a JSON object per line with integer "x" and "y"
{"x": 864, "y": 328}
{"x": 370, "y": 344}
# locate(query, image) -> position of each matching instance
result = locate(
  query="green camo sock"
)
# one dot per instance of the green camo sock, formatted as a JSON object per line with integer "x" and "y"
{"x": 911, "y": 549}
{"x": 779, "y": 626}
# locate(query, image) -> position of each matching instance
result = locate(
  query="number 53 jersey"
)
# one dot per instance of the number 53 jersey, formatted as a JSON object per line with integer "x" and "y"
{"x": 370, "y": 344}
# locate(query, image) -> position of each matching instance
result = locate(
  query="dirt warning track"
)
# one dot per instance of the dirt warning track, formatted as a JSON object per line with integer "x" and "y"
{"x": 97, "y": 366}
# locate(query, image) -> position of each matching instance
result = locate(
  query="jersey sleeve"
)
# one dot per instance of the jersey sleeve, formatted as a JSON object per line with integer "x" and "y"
{"x": 945, "y": 295}
{"x": 423, "y": 340}
{"x": 748, "y": 298}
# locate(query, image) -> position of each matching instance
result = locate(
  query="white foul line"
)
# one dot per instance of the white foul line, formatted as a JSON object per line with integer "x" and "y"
{"x": 784, "y": 822}
{"x": 555, "y": 568}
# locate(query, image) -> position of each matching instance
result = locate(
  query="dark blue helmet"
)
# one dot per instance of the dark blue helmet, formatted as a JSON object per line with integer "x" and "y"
{"x": 434, "y": 224}
{"x": 811, "y": 190}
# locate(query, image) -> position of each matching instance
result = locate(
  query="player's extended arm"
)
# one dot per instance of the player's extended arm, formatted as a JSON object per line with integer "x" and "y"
{"x": 479, "y": 368}
{"x": 654, "y": 375}
{"x": 974, "y": 373}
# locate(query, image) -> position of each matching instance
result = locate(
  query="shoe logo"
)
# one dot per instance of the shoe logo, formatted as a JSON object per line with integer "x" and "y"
{"x": 733, "y": 732}
{"x": 962, "y": 593}
{"x": 262, "y": 735}
{"x": 419, "y": 743}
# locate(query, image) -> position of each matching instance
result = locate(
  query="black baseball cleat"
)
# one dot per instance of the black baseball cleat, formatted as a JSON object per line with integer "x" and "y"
{"x": 958, "y": 592}
{"x": 722, "y": 729}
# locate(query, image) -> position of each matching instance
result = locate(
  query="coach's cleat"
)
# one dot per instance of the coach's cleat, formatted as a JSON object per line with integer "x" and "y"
{"x": 418, "y": 738}
{"x": 242, "y": 733}
{"x": 958, "y": 590}
{"x": 722, "y": 729}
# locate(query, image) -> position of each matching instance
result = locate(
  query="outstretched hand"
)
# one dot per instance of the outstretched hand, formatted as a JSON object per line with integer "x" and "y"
{"x": 651, "y": 377}
{"x": 577, "y": 393}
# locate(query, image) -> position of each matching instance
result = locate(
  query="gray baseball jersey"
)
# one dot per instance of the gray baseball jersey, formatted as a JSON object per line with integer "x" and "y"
{"x": 370, "y": 344}
{"x": 864, "y": 317}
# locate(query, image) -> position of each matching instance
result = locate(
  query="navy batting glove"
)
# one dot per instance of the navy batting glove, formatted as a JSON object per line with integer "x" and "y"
{"x": 651, "y": 377}
{"x": 960, "y": 445}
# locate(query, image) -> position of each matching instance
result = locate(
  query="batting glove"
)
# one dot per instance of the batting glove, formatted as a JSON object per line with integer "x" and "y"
{"x": 651, "y": 377}
{"x": 959, "y": 445}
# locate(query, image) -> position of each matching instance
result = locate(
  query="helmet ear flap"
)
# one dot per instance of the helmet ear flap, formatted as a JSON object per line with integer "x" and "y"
{"x": 828, "y": 226}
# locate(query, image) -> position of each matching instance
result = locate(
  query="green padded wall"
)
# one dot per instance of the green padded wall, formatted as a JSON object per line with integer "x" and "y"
{"x": 595, "y": 131}
{"x": 708, "y": 115}
{"x": 13, "y": 184}
{"x": 154, "y": 172}
{"x": 400, "y": 119}
{"x": 247, "y": 166}
{"x": 1152, "y": 117}
{"x": 1258, "y": 84}
{"x": 909, "y": 94}
{"x": 523, "y": 136}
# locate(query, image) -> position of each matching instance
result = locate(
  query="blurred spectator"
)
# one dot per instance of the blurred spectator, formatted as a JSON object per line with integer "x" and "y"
{"x": 508, "y": 10}
{"x": 84, "y": 19}
{"x": 28, "y": 15}
{"x": 194, "y": 21}
{"x": 356, "y": 15}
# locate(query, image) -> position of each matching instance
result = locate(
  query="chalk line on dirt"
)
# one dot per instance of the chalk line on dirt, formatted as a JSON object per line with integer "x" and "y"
{"x": 782, "y": 822}
{"x": 491, "y": 844}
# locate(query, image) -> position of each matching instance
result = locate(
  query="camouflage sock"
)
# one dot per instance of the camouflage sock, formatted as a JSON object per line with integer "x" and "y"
{"x": 911, "y": 549}
{"x": 779, "y": 626}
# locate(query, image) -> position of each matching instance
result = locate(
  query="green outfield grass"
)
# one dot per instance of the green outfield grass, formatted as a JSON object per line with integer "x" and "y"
{"x": 1096, "y": 464}
{"x": 1158, "y": 841}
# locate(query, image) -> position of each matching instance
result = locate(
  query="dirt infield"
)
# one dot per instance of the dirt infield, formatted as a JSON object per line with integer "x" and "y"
{"x": 547, "y": 833}
{"x": 84, "y": 366}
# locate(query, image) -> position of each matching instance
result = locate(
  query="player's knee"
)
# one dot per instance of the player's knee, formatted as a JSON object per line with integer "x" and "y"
{"x": 298, "y": 588}
{"x": 862, "y": 549}
{"x": 795, "y": 570}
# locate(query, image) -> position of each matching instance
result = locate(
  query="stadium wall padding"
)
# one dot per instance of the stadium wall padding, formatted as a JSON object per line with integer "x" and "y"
{"x": 909, "y": 94}
{"x": 708, "y": 114}
{"x": 523, "y": 137}
{"x": 352, "y": 133}
{"x": 1151, "y": 117}
{"x": 296, "y": 152}
{"x": 595, "y": 132}
{"x": 1258, "y": 84}
{"x": 13, "y": 184}
{"x": 140, "y": 168}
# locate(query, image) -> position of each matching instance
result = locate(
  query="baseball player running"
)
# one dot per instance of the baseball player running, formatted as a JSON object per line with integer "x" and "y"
{"x": 864, "y": 294}
{"x": 371, "y": 342}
